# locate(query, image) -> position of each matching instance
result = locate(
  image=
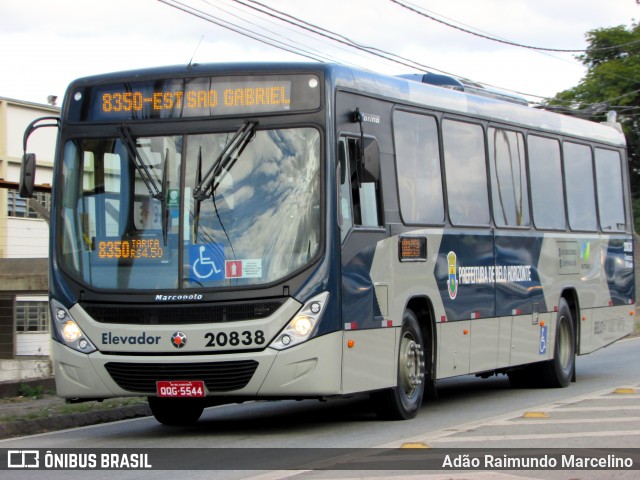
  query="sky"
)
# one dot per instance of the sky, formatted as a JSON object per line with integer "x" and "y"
{"x": 46, "y": 44}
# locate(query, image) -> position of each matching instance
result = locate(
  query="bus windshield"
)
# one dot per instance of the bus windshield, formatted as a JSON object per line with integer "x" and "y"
{"x": 130, "y": 219}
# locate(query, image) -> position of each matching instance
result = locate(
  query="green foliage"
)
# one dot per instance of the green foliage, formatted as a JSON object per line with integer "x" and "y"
{"x": 612, "y": 82}
{"x": 31, "y": 392}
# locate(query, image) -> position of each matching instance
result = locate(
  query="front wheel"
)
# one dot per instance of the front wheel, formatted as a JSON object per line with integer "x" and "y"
{"x": 404, "y": 400}
{"x": 176, "y": 411}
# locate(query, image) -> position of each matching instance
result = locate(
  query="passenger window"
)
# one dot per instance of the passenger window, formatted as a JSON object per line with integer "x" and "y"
{"x": 466, "y": 173}
{"x": 581, "y": 196}
{"x": 547, "y": 194}
{"x": 610, "y": 190}
{"x": 508, "y": 178}
{"x": 418, "y": 168}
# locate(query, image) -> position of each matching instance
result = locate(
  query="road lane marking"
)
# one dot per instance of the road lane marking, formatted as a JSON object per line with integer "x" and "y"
{"x": 558, "y": 407}
{"x": 516, "y": 422}
{"x": 537, "y": 436}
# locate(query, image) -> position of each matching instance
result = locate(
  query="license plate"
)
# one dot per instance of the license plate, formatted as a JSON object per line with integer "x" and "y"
{"x": 180, "y": 388}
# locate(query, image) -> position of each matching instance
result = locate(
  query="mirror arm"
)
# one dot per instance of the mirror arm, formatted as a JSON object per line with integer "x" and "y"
{"x": 357, "y": 117}
{"x": 28, "y": 167}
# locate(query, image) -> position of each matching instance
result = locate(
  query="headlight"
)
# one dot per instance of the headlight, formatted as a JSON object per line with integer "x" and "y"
{"x": 69, "y": 332}
{"x": 302, "y": 326}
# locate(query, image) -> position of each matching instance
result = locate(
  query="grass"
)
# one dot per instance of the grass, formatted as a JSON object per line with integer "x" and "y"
{"x": 38, "y": 405}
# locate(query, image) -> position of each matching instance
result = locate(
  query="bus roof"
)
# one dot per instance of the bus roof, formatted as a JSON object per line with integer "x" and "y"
{"x": 400, "y": 89}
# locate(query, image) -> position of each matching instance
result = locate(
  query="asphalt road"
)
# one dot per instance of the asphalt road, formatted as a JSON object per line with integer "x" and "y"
{"x": 601, "y": 410}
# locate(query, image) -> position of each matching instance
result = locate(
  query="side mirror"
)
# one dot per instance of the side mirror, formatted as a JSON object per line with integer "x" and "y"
{"x": 27, "y": 175}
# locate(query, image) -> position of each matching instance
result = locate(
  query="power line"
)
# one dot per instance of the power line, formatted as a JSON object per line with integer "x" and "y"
{"x": 325, "y": 56}
{"x": 319, "y": 31}
{"x": 237, "y": 29}
{"x": 335, "y": 37}
{"x": 506, "y": 42}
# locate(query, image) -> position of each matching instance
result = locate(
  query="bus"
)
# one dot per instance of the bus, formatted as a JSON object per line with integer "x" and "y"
{"x": 231, "y": 232}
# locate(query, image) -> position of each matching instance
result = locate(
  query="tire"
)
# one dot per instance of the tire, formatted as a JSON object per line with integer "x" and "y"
{"x": 557, "y": 373}
{"x": 404, "y": 400}
{"x": 176, "y": 411}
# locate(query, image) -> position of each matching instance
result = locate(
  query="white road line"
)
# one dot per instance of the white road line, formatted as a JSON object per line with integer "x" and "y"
{"x": 560, "y": 406}
{"x": 535, "y": 436}
{"x": 547, "y": 421}
{"x": 592, "y": 409}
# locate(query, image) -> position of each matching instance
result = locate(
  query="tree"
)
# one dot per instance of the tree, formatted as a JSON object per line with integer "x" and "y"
{"x": 612, "y": 82}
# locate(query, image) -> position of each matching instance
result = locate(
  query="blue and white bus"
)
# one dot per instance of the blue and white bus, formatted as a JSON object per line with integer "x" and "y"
{"x": 223, "y": 233}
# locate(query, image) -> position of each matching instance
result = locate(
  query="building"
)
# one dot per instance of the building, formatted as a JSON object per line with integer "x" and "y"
{"x": 24, "y": 238}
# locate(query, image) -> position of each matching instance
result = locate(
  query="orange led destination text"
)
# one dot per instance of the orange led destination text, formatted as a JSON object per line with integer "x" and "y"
{"x": 196, "y": 99}
{"x": 118, "y": 249}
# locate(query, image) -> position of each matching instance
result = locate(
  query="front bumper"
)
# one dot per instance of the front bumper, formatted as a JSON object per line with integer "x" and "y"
{"x": 311, "y": 369}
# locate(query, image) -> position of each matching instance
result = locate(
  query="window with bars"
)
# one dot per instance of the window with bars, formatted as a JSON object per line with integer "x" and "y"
{"x": 32, "y": 316}
{"x": 21, "y": 207}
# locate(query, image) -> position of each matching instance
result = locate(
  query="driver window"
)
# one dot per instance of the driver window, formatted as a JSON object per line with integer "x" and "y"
{"x": 359, "y": 190}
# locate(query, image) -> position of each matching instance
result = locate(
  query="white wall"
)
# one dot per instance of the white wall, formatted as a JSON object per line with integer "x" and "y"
{"x": 25, "y": 238}
{"x": 33, "y": 343}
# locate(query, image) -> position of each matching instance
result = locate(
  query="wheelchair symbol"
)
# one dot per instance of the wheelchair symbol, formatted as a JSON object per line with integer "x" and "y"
{"x": 543, "y": 340}
{"x": 204, "y": 267}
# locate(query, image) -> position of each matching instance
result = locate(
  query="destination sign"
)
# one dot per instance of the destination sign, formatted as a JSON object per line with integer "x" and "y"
{"x": 196, "y": 97}
{"x": 412, "y": 249}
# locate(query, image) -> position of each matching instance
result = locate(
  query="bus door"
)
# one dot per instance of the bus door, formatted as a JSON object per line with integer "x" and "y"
{"x": 360, "y": 214}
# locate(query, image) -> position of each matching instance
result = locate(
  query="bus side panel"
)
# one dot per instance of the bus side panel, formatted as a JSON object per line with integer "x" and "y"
{"x": 485, "y": 343}
{"x": 454, "y": 348}
{"x": 517, "y": 280}
{"x": 464, "y": 274}
{"x": 600, "y": 272}
{"x": 368, "y": 359}
{"x": 613, "y": 315}
{"x": 608, "y": 325}
{"x": 618, "y": 268}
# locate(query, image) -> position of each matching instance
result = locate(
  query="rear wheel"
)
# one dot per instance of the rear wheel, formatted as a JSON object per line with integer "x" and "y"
{"x": 176, "y": 411}
{"x": 403, "y": 401}
{"x": 558, "y": 372}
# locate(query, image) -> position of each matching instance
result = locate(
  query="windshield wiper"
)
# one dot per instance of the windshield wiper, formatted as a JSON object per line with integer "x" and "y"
{"x": 163, "y": 198}
{"x": 144, "y": 170}
{"x": 196, "y": 213}
{"x": 141, "y": 166}
{"x": 208, "y": 184}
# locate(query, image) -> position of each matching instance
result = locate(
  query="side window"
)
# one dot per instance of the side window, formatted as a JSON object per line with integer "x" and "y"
{"x": 344, "y": 191}
{"x": 508, "y": 178}
{"x": 610, "y": 190}
{"x": 359, "y": 184}
{"x": 581, "y": 196}
{"x": 418, "y": 168}
{"x": 547, "y": 194}
{"x": 466, "y": 173}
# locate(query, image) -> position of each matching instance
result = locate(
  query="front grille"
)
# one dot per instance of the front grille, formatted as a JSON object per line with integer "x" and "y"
{"x": 218, "y": 376}
{"x": 181, "y": 314}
